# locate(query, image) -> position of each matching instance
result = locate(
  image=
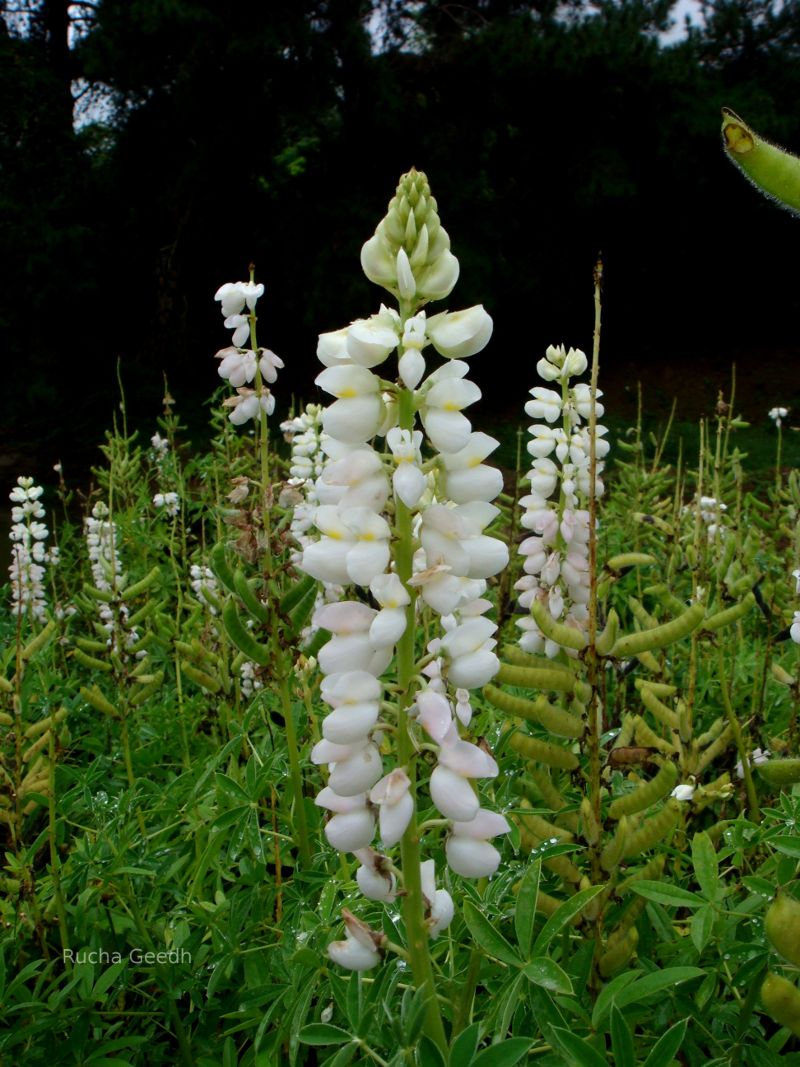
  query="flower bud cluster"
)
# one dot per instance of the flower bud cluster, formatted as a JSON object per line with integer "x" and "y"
{"x": 101, "y": 543}
{"x": 446, "y": 500}
{"x": 239, "y": 365}
{"x": 557, "y": 554}
{"x": 29, "y": 554}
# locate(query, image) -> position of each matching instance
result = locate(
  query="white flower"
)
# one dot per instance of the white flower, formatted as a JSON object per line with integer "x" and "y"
{"x": 355, "y": 416}
{"x": 408, "y": 480}
{"x": 395, "y": 804}
{"x": 471, "y": 858}
{"x": 374, "y": 878}
{"x": 358, "y": 952}
{"x": 247, "y": 405}
{"x": 170, "y": 502}
{"x": 468, "y": 478}
{"x": 546, "y": 404}
{"x": 459, "y": 334}
{"x": 778, "y": 415}
{"x": 684, "y": 791}
{"x": 444, "y": 396}
{"x": 794, "y": 629}
{"x": 796, "y": 576}
{"x": 757, "y": 757}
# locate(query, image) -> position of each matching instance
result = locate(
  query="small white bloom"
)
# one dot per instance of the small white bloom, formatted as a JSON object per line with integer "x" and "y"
{"x": 684, "y": 791}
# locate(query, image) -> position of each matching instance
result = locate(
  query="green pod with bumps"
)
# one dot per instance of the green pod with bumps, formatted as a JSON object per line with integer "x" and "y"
{"x": 39, "y": 641}
{"x": 729, "y": 615}
{"x": 657, "y": 828}
{"x": 607, "y": 638}
{"x": 651, "y": 872}
{"x": 565, "y": 636}
{"x": 618, "y": 952}
{"x": 641, "y": 798}
{"x": 661, "y": 636}
{"x": 201, "y": 678}
{"x": 665, "y": 595}
{"x": 519, "y": 658}
{"x": 99, "y": 702}
{"x": 781, "y": 1000}
{"x": 782, "y": 927}
{"x": 549, "y": 793}
{"x": 614, "y": 850}
{"x": 542, "y": 751}
{"x": 218, "y": 561}
{"x": 247, "y": 595}
{"x": 142, "y": 585}
{"x": 536, "y": 678}
{"x": 716, "y": 748}
{"x": 630, "y": 559}
{"x": 92, "y": 662}
{"x": 657, "y": 708}
{"x": 298, "y": 592}
{"x": 780, "y": 771}
{"x": 543, "y": 829}
{"x": 660, "y": 689}
{"x": 773, "y": 170}
{"x": 541, "y": 711}
{"x": 649, "y": 738}
{"x": 241, "y": 636}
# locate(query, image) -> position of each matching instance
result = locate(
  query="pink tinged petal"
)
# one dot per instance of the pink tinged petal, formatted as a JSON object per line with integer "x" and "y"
{"x": 353, "y": 956}
{"x": 453, "y": 795}
{"x": 350, "y": 723}
{"x": 374, "y": 885}
{"x": 485, "y": 825}
{"x": 460, "y": 334}
{"x": 434, "y": 713}
{"x": 394, "y": 819}
{"x": 388, "y": 627}
{"x": 326, "y": 798}
{"x": 474, "y": 670}
{"x": 468, "y": 760}
{"x": 471, "y": 859}
{"x": 411, "y": 368}
{"x": 358, "y": 773}
{"x": 350, "y": 831}
{"x": 442, "y": 912}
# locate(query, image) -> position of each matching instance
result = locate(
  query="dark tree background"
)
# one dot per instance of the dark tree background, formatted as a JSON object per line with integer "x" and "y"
{"x": 275, "y": 130}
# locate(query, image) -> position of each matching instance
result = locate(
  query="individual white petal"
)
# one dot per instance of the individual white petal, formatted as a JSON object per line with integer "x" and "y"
{"x": 453, "y": 795}
{"x": 369, "y": 342}
{"x": 345, "y": 617}
{"x": 476, "y": 483}
{"x": 352, "y": 955}
{"x": 354, "y": 652}
{"x": 460, "y": 334}
{"x": 388, "y": 627}
{"x": 394, "y": 818}
{"x": 326, "y": 798}
{"x": 485, "y": 825}
{"x": 427, "y": 876}
{"x": 366, "y": 560}
{"x": 409, "y": 483}
{"x": 468, "y": 760}
{"x": 377, "y": 261}
{"x": 389, "y": 591}
{"x": 376, "y": 885}
{"x": 328, "y": 752}
{"x": 438, "y": 280}
{"x": 448, "y": 430}
{"x": 353, "y": 420}
{"x": 434, "y": 713}
{"x": 411, "y": 367}
{"x": 352, "y": 830}
{"x": 406, "y": 283}
{"x": 474, "y": 670}
{"x": 350, "y": 723}
{"x": 470, "y": 858}
{"x": 326, "y": 560}
{"x": 487, "y": 556}
{"x": 358, "y": 773}
{"x": 442, "y": 912}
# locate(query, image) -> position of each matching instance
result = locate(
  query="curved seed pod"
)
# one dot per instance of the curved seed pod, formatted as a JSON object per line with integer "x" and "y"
{"x": 716, "y": 748}
{"x": 142, "y": 585}
{"x": 205, "y": 681}
{"x": 781, "y": 676}
{"x": 5, "y": 719}
{"x": 661, "y": 636}
{"x": 94, "y": 697}
{"x": 37, "y": 746}
{"x": 541, "y": 828}
{"x": 553, "y": 799}
{"x": 745, "y": 583}
{"x": 651, "y": 871}
{"x": 629, "y": 559}
{"x": 625, "y": 735}
{"x": 541, "y": 711}
{"x": 144, "y": 642}
{"x": 782, "y": 927}
{"x": 536, "y": 678}
{"x": 241, "y": 636}
{"x": 660, "y": 689}
{"x": 780, "y": 771}
{"x": 297, "y": 593}
{"x": 548, "y": 905}
{"x": 560, "y": 865}
{"x": 247, "y": 595}
{"x": 301, "y": 612}
{"x": 773, "y": 170}
{"x": 591, "y": 827}
{"x": 729, "y": 615}
{"x": 218, "y": 562}
{"x": 515, "y": 655}
{"x": 666, "y": 597}
{"x": 645, "y": 795}
{"x": 657, "y": 708}
{"x": 618, "y": 953}
{"x": 36, "y": 728}
{"x": 642, "y": 616}
{"x": 147, "y": 691}
{"x": 614, "y": 850}
{"x": 726, "y": 558}
{"x": 88, "y": 645}
{"x": 657, "y": 828}
{"x": 566, "y": 636}
{"x": 781, "y": 1000}
{"x": 144, "y": 612}
{"x": 542, "y": 751}
{"x": 607, "y": 639}
{"x": 712, "y": 733}
{"x": 90, "y": 661}
{"x": 39, "y": 641}
{"x": 649, "y": 662}
{"x": 650, "y": 739}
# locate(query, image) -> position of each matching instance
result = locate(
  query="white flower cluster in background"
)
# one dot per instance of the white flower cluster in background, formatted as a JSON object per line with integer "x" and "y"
{"x": 557, "y": 554}
{"x": 203, "y": 579}
{"x": 239, "y": 365}
{"x": 101, "y": 542}
{"x": 29, "y": 553}
{"x": 169, "y": 503}
{"x": 712, "y": 514}
{"x": 778, "y": 415}
{"x": 447, "y": 502}
{"x": 160, "y": 447}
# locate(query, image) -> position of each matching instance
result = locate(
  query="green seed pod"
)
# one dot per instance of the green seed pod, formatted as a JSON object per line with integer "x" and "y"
{"x": 144, "y": 642}
{"x": 781, "y": 676}
{"x": 94, "y": 697}
{"x": 542, "y": 751}
{"x": 640, "y": 613}
{"x": 614, "y": 850}
{"x": 560, "y": 865}
{"x": 536, "y": 678}
{"x": 657, "y": 828}
{"x": 660, "y": 689}
{"x": 90, "y": 661}
{"x": 5, "y": 719}
{"x": 618, "y": 953}
{"x": 141, "y": 586}
{"x": 661, "y": 636}
{"x": 781, "y": 1000}
{"x": 297, "y": 593}
{"x": 712, "y": 733}
{"x": 651, "y": 872}
{"x": 630, "y": 559}
{"x": 566, "y": 636}
{"x": 646, "y": 795}
{"x": 716, "y": 748}
{"x": 37, "y": 746}
{"x": 542, "y": 828}
{"x": 780, "y": 771}
{"x": 241, "y": 636}
{"x": 666, "y": 597}
{"x": 88, "y": 645}
{"x": 205, "y": 681}
{"x": 657, "y": 708}
{"x": 218, "y": 562}
{"x": 773, "y": 170}
{"x": 782, "y": 927}
{"x": 39, "y": 641}
{"x": 649, "y": 738}
{"x": 607, "y": 639}
{"x": 729, "y": 615}
{"x": 591, "y": 827}
{"x": 541, "y": 711}
{"x": 649, "y": 662}
{"x": 247, "y": 595}
{"x": 745, "y": 583}
{"x": 625, "y": 735}
{"x": 43, "y": 724}
{"x": 144, "y": 612}
{"x": 105, "y": 595}
{"x": 553, "y": 799}
{"x": 143, "y": 694}
{"x": 727, "y": 557}
{"x": 301, "y": 612}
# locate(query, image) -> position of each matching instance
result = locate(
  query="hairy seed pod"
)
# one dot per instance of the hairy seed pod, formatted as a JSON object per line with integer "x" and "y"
{"x": 541, "y": 711}
{"x": 201, "y": 678}
{"x": 142, "y": 585}
{"x": 553, "y": 799}
{"x": 629, "y": 559}
{"x": 782, "y": 927}
{"x": 640, "y": 613}
{"x": 659, "y": 689}
{"x": 651, "y": 872}
{"x": 646, "y": 795}
{"x": 5, "y": 719}
{"x": 712, "y": 733}
{"x": 591, "y": 827}
{"x": 780, "y": 771}
{"x": 542, "y": 828}
{"x": 781, "y": 1000}
{"x": 618, "y": 953}
{"x": 548, "y": 905}
{"x": 715, "y": 749}
{"x": 36, "y": 728}
{"x": 658, "y": 827}
{"x": 650, "y": 739}
{"x": 536, "y": 678}
{"x": 625, "y": 735}
{"x": 745, "y": 583}
{"x": 542, "y": 751}
{"x": 560, "y": 865}
{"x": 649, "y": 662}
{"x": 147, "y": 691}
{"x": 90, "y": 661}
{"x": 519, "y": 658}
{"x": 247, "y": 595}
{"x": 657, "y": 708}
{"x": 666, "y": 597}
{"x": 781, "y": 676}
{"x": 608, "y": 637}
{"x": 661, "y": 636}
{"x": 144, "y": 612}
{"x": 729, "y": 615}
{"x": 773, "y": 170}
{"x": 94, "y": 697}
{"x": 218, "y": 562}
{"x": 241, "y": 636}
{"x": 566, "y": 636}
{"x": 614, "y": 850}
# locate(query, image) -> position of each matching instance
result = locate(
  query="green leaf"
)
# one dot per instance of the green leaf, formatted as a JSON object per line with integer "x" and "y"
{"x": 621, "y": 1040}
{"x": 428, "y": 1054}
{"x": 664, "y": 893}
{"x": 562, "y": 915}
{"x": 107, "y": 978}
{"x": 577, "y": 1051}
{"x": 504, "y": 1053}
{"x": 546, "y": 973}
{"x": 701, "y": 926}
{"x": 231, "y": 788}
{"x": 462, "y": 1051}
{"x": 525, "y": 912}
{"x": 789, "y": 846}
{"x": 607, "y": 995}
{"x": 490, "y": 940}
{"x": 706, "y": 865}
{"x": 323, "y": 1034}
{"x": 654, "y": 983}
{"x": 667, "y": 1045}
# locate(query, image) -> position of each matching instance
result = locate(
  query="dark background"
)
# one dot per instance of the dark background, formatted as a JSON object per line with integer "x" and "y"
{"x": 275, "y": 131}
